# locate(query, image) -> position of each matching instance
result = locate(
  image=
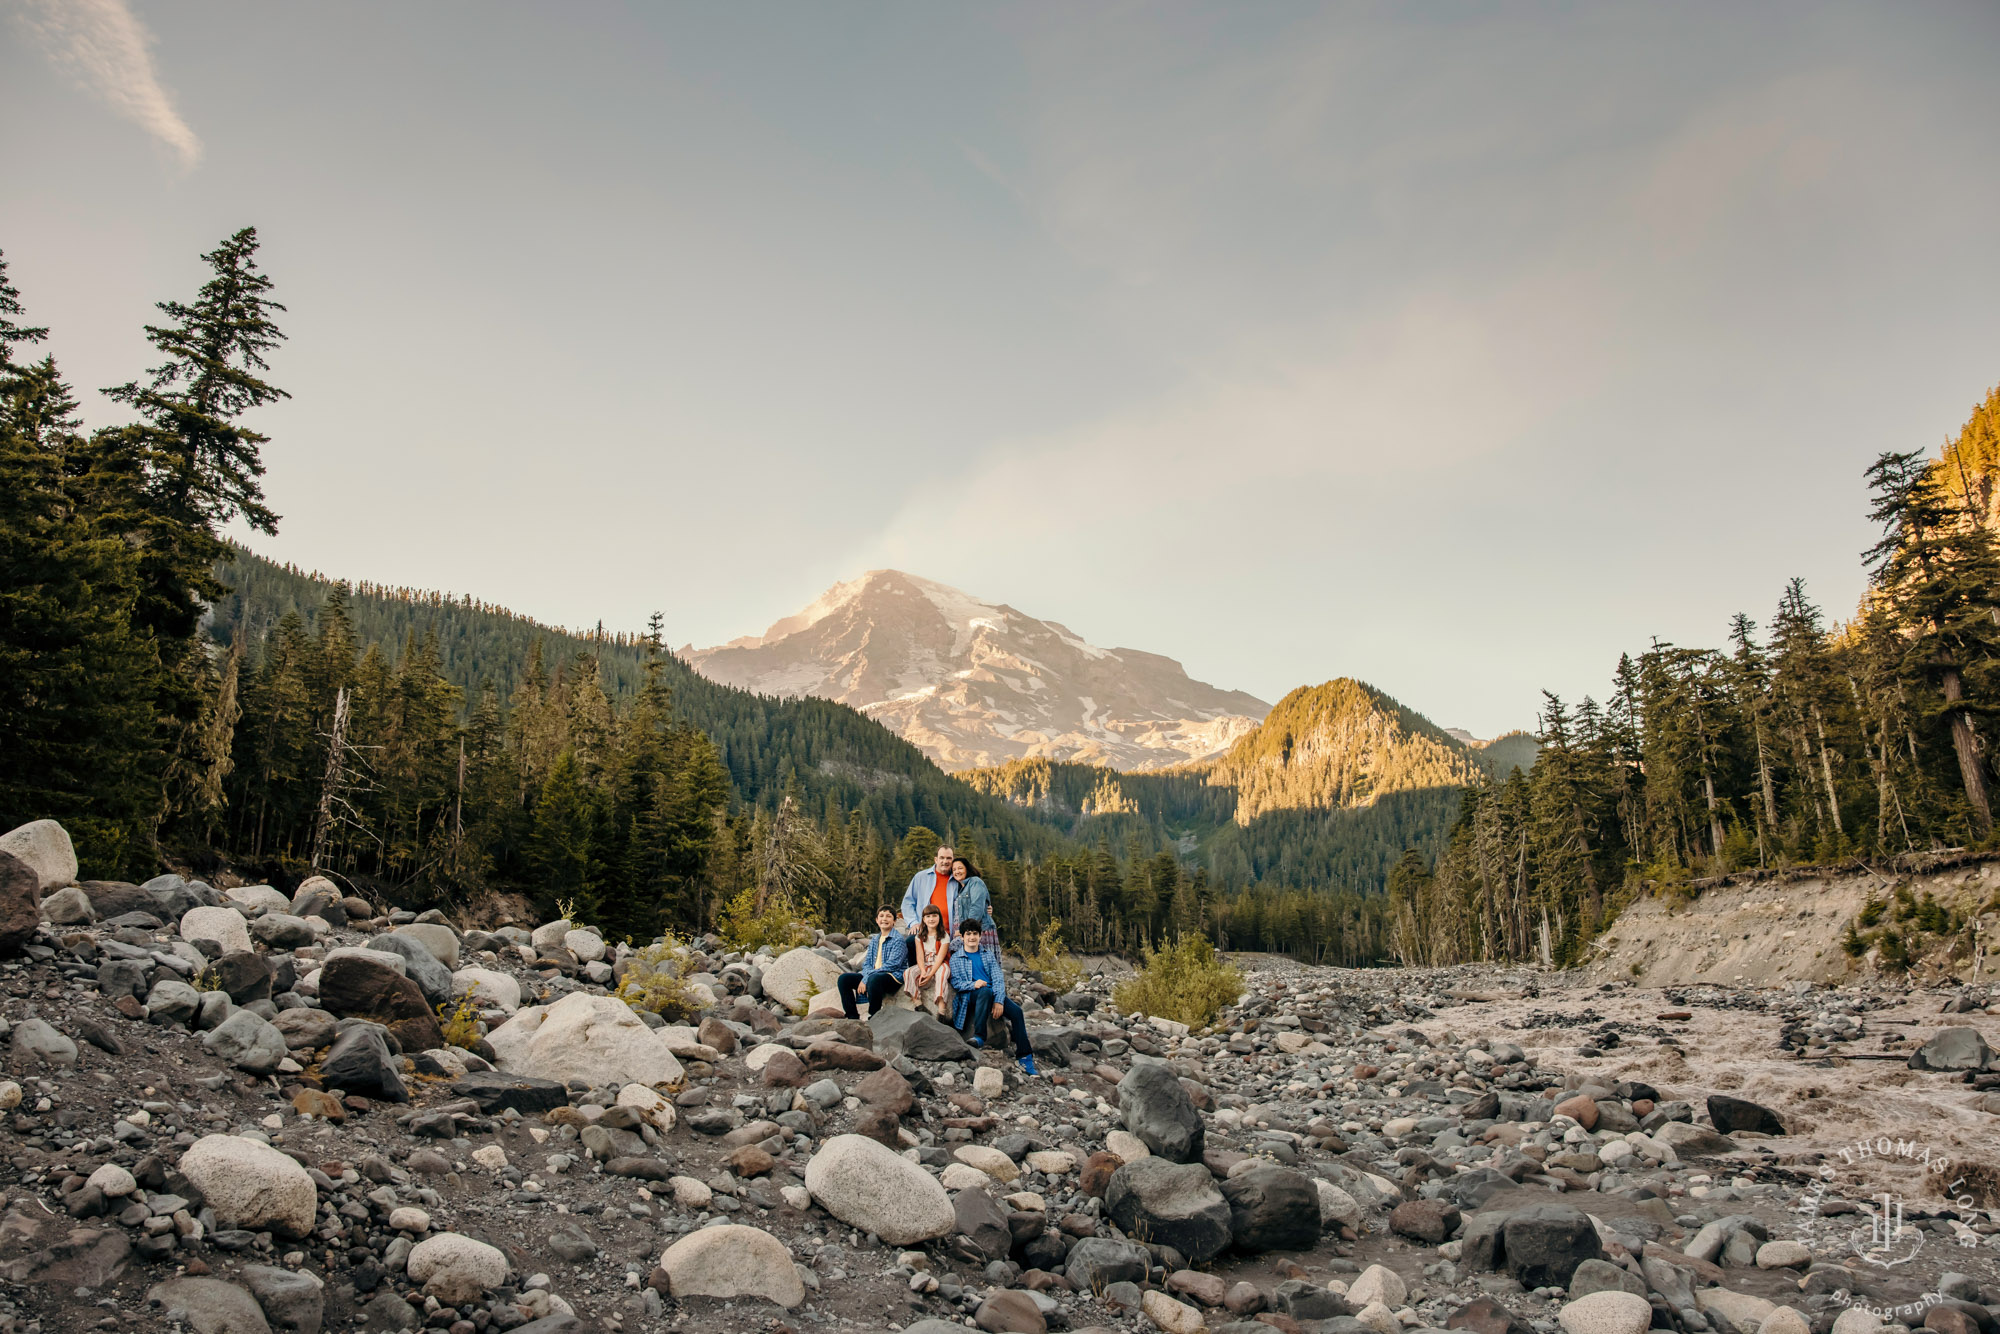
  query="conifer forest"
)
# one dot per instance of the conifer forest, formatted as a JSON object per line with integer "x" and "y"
{"x": 172, "y": 698}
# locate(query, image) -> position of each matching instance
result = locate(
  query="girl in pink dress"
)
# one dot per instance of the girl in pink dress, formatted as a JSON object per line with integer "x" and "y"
{"x": 932, "y": 969}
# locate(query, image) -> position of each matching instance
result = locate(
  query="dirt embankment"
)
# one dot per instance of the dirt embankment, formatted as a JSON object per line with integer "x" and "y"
{"x": 1768, "y": 931}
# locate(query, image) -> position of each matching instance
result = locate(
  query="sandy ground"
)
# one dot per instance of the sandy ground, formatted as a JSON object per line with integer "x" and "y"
{"x": 1828, "y": 1105}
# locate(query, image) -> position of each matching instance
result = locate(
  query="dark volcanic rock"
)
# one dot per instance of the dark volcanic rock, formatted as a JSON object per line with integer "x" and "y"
{"x": 1546, "y": 1242}
{"x": 241, "y": 975}
{"x": 360, "y": 1063}
{"x": 353, "y": 987}
{"x": 1272, "y": 1209}
{"x": 20, "y": 903}
{"x": 1430, "y": 1221}
{"x": 917, "y": 1035}
{"x": 1172, "y": 1204}
{"x": 1733, "y": 1114}
{"x": 1158, "y": 1110}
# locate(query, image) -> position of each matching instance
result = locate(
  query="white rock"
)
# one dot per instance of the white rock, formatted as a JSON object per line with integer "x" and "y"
{"x": 798, "y": 1197}
{"x": 869, "y": 1186}
{"x": 690, "y": 1193}
{"x": 732, "y": 1262}
{"x": 549, "y": 935}
{"x": 455, "y": 1268}
{"x": 1784, "y": 1255}
{"x": 225, "y": 926}
{"x": 492, "y": 1157}
{"x": 1379, "y": 1318}
{"x": 1126, "y": 1146}
{"x": 251, "y": 1185}
{"x": 988, "y": 1081}
{"x": 988, "y": 1160}
{"x": 1026, "y": 1201}
{"x": 1397, "y": 1127}
{"x": 1172, "y": 1316}
{"x": 1608, "y": 1313}
{"x": 785, "y": 977}
{"x": 587, "y": 946}
{"x": 1052, "y": 1162}
{"x": 440, "y": 940}
{"x": 760, "y": 1055}
{"x": 1785, "y": 1320}
{"x": 487, "y": 986}
{"x": 653, "y": 1105}
{"x": 114, "y": 1181}
{"x": 1336, "y": 1205}
{"x": 10, "y": 1095}
{"x": 257, "y": 898}
{"x": 597, "y": 1039}
{"x": 1378, "y": 1284}
{"x": 958, "y": 1176}
{"x": 1856, "y": 1320}
{"x": 409, "y": 1218}
{"x": 683, "y": 1043}
{"x": 44, "y": 845}
{"x": 1740, "y": 1309}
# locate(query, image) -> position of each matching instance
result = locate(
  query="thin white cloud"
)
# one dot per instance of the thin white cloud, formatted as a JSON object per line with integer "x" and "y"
{"x": 103, "y": 46}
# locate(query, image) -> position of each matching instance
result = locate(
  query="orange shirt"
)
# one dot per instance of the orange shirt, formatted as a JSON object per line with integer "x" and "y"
{"x": 941, "y": 899}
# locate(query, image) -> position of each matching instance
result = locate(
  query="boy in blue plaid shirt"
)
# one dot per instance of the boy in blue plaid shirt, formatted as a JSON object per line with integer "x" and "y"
{"x": 982, "y": 994}
{"x": 882, "y": 965}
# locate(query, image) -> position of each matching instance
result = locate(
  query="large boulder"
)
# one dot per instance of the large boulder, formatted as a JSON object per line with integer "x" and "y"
{"x": 796, "y": 974}
{"x": 598, "y": 1039}
{"x": 1095, "y": 1263}
{"x": 1546, "y": 1242}
{"x": 282, "y": 931}
{"x": 248, "y": 1041}
{"x": 496, "y": 1091}
{"x": 251, "y": 1185}
{"x": 115, "y": 898}
{"x": 1693, "y": 1141}
{"x": 982, "y": 1224}
{"x": 357, "y": 988}
{"x": 871, "y": 1187}
{"x": 208, "y": 1306}
{"x": 44, "y": 845}
{"x": 225, "y": 926}
{"x": 456, "y": 1269}
{"x": 360, "y": 1063}
{"x": 419, "y": 964}
{"x": 1159, "y": 1111}
{"x": 731, "y": 1262}
{"x": 257, "y": 899}
{"x": 1272, "y": 1208}
{"x": 1955, "y": 1048}
{"x": 20, "y": 903}
{"x": 1173, "y": 1204}
{"x": 241, "y": 975}
{"x": 917, "y": 1035}
{"x": 1607, "y": 1312}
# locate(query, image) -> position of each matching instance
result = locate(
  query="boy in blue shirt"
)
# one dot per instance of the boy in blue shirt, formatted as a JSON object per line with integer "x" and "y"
{"x": 982, "y": 994}
{"x": 882, "y": 965}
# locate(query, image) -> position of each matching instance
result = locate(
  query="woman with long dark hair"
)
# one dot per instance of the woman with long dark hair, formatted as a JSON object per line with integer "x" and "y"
{"x": 972, "y": 902}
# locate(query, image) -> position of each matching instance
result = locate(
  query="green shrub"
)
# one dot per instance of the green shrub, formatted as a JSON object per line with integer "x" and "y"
{"x": 780, "y": 925}
{"x": 1184, "y": 983}
{"x": 1871, "y": 912}
{"x": 655, "y": 980}
{"x": 1854, "y": 943}
{"x": 1061, "y": 971}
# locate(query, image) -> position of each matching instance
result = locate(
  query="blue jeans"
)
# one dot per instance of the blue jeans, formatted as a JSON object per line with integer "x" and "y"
{"x": 979, "y": 1008}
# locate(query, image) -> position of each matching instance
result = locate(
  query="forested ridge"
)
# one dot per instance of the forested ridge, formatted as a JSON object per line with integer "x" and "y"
{"x": 171, "y": 698}
{"x": 1796, "y": 741}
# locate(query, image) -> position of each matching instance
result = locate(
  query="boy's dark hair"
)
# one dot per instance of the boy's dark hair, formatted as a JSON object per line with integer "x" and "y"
{"x": 970, "y": 925}
{"x": 885, "y": 908}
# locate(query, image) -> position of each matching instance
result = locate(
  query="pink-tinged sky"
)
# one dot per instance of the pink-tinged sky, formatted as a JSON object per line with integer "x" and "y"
{"x": 1456, "y": 348}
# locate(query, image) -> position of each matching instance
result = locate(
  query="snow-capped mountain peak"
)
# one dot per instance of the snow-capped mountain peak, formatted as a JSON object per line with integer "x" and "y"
{"x": 978, "y": 683}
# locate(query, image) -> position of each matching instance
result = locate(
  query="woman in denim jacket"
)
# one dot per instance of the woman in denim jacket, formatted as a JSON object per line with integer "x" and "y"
{"x": 972, "y": 902}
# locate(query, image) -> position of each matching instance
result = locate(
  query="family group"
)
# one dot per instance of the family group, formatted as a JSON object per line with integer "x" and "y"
{"x": 943, "y": 948}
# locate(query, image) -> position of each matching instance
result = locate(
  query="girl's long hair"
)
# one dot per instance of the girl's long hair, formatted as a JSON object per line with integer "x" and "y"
{"x": 924, "y": 931}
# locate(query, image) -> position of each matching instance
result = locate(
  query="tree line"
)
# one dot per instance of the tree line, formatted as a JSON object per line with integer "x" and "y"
{"x": 1795, "y": 742}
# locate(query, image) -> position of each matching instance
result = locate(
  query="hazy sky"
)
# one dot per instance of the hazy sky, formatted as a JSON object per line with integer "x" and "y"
{"x": 1452, "y": 347}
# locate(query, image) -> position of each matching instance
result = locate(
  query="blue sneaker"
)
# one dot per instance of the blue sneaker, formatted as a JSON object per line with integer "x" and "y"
{"x": 1028, "y": 1064}
{"x": 979, "y": 1042}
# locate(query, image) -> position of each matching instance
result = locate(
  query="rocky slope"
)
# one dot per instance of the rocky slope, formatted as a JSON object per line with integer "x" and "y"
{"x": 235, "y": 1110}
{"x": 976, "y": 683}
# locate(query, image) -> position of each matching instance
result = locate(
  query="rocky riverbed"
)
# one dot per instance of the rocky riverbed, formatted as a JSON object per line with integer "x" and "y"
{"x": 236, "y": 1109}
